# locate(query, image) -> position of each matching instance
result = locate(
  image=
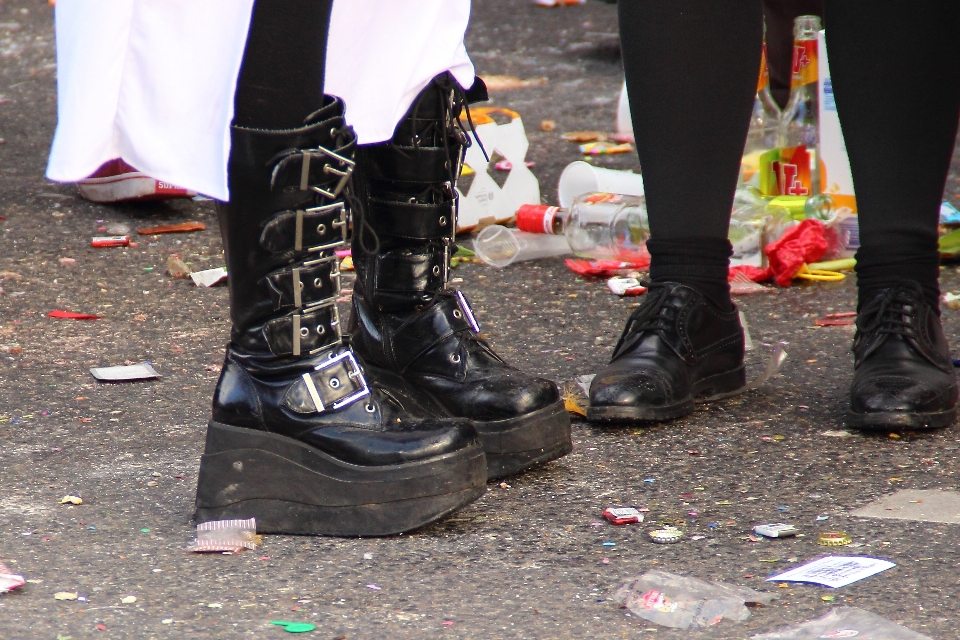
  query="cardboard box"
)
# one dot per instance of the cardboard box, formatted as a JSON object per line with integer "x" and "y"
{"x": 835, "y": 177}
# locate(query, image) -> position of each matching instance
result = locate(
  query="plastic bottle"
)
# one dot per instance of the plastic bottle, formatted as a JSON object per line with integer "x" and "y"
{"x": 799, "y": 164}
{"x": 755, "y": 222}
{"x": 598, "y": 226}
{"x": 764, "y": 124}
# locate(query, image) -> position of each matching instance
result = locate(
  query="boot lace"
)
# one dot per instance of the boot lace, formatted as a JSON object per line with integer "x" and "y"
{"x": 889, "y": 314}
{"x": 655, "y": 313}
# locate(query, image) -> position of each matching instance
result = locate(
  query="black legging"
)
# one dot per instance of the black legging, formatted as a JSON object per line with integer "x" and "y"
{"x": 281, "y": 79}
{"x": 691, "y": 68}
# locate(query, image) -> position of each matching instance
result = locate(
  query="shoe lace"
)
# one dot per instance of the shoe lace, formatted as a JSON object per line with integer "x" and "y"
{"x": 889, "y": 313}
{"x": 655, "y": 313}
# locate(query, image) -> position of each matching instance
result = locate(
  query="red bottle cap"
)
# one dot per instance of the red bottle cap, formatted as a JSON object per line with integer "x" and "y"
{"x": 536, "y": 218}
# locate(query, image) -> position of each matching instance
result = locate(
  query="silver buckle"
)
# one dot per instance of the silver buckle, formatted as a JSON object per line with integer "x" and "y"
{"x": 467, "y": 311}
{"x": 340, "y": 222}
{"x": 353, "y": 371}
{"x": 305, "y": 171}
{"x": 297, "y": 317}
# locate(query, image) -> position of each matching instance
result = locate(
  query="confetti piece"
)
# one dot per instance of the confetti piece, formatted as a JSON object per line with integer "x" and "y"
{"x": 184, "y": 227}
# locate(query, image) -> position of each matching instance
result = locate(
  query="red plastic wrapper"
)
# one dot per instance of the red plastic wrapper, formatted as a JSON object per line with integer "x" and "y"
{"x": 606, "y": 268}
{"x": 71, "y": 315}
{"x": 753, "y": 274}
{"x": 803, "y": 244}
{"x": 536, "y": 218}
{"x": 623, "y": 515}
{"x": 103, "y": 242}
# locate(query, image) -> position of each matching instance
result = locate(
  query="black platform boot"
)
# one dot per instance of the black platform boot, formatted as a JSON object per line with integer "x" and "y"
{"x": 676, "y": 347}
{"x": 302, "y": 438}
{"x": 406, "y": 320}
{"x": 904, "y": 375}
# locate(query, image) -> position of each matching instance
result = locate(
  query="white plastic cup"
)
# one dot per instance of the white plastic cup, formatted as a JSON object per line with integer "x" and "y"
{"x": 582, "y": 177}
{"x": 624, "y": 120}
{"x": 499, "y": 246}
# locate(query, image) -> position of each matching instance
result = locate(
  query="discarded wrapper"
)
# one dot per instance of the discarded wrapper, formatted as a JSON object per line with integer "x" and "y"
{"x": 141, "y": 371}
{"x": 683, "y": 603}
{"x": 183, "y": 227}
{"x": 71, "y": 500}
{"x": 626, "y": 287}
{"x": 103, "y": 242}
{"x": 8, "y": 580}
{"x": 176, "y": 267}
{"x": 622, "y": 515}
{"x": 779, "y": 530}
{"x": 209, "y": 277}
{"x": 226, "y": 535}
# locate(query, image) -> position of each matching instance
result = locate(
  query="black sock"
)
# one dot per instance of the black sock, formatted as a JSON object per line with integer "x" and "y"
{"x": 881, "y": 267}
{"x": 281, "y": 79}
{"x": 699, "y": 263}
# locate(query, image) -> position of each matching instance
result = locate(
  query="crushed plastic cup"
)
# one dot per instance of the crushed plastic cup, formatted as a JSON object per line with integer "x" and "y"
{"x": 582, "y": 177}
{"x": 684, "y": 603}
{"x": 845, "y": 622}
{"x": 499, "y": 246}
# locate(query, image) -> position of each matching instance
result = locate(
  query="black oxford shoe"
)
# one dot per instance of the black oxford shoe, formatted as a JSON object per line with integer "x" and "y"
{"x": 903, "y": 376}
{"x": 676, "y": 346}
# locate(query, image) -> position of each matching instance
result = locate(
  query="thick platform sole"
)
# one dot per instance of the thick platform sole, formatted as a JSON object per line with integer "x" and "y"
{"x": 516, "y": 444}
{"x": 885, "y": 421}
{"x": 292, "y": 488}
{"x": 716, "y": 384}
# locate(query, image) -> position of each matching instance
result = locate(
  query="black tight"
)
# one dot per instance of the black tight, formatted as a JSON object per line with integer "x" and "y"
{"x": 691, "y": 68}
{"x": 281, "y": 80}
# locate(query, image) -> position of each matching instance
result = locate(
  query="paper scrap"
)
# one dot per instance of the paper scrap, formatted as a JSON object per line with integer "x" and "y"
{"x": 141, "y": 371}
{"x": 209, "y": 277}
{"x": 835, "y": 571}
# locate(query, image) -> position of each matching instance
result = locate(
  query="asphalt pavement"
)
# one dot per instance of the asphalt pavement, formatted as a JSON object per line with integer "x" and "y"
{"x": 530, "y": 559}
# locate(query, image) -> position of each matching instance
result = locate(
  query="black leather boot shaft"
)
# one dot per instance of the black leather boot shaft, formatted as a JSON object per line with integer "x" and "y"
{"x": 675, "y": 347}
{"x": 405, "y": 318}
{"x": 903, "y": 372}
{"x": 287, "y": 369}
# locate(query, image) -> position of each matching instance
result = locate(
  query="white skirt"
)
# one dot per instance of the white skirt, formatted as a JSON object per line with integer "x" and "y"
{"x": 153, "y": 81}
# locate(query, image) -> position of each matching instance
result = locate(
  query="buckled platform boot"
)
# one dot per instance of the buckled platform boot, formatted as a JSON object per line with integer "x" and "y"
{"x": 302, "y": 437}
{"x": 903, "y": 373}
{"x": 676, "y": 346}
{"x": 406, "y": 319}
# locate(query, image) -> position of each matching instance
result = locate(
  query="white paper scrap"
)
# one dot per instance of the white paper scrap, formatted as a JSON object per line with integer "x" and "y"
{"x": 835, "y": 571}
{"x": 141, "y": 371}
{"x": 9, "y": 581}
{"x": 209, "y": 277}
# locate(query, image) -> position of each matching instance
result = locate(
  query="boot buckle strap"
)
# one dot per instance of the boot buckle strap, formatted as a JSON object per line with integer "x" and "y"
{"x": 434, "y": 325}
{"x": 336, "y": 382}
{"x": 311, "y": 229}
{"x": 306, "y": 285}
{"x": 306, "y": 332}
{"x": 308, "y": 154}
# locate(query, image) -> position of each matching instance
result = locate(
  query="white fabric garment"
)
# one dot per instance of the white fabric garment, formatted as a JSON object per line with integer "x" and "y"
{"x": 153, "y": 81}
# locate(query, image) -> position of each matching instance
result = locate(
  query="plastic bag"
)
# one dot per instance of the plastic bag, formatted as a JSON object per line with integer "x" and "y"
{"x": 683, "y": 603}
{"x": 845, "y": 622}
{"x": 800, "y": 245}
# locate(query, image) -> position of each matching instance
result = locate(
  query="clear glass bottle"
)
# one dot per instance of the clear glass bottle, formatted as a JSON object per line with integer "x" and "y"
{"x": 598, "y": 226}
{"x": 799, "y": 165}
{"x": 764, "y": 131}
